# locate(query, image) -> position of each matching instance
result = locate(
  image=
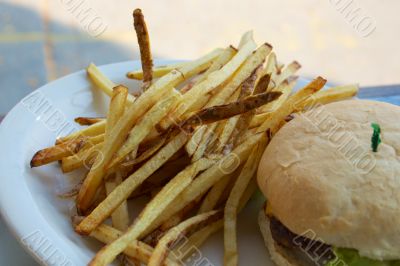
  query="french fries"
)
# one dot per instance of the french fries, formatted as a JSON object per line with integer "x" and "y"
{"x": 190, "y": 142}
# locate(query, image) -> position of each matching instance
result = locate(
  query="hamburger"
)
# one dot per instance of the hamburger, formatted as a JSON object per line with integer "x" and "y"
{"x": 331, "y": 178}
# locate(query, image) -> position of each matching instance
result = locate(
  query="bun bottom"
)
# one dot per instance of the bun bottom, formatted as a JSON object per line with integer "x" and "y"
{"x": 280, "y": 255}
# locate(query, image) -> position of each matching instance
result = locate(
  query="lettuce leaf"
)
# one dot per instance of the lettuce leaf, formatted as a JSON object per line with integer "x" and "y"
{"x": 350, "y": 257}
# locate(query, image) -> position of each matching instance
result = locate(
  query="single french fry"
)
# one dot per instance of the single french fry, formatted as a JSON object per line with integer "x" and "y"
{"x": 158, "y": 71}
{"x": 329, "y": 95}
{"x": 146, "y": 124}
{"x": 130, "y": 117}
{"x": 185, "y": 228}
{"x": 220, "y": 112}
{"x": 90, "y": 131}
{"x": 57, "y": 152}
{"x": 120, "y": 216}
{"x": 123, "y": 191}
{"x": 102, "y": 82}
{"x": 290, "y": 105}
{"x": 87, "y": 121}
{"x": 116, "y": 108}
{"x": 232, "y": 204}
{"x": 152, "y": 211}
{"x": 144, "y": 46}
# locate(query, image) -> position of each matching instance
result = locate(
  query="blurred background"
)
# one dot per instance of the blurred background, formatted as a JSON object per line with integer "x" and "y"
{"x": 346, "y": 41}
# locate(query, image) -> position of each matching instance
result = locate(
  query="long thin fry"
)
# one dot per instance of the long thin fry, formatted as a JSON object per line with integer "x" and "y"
{"x": 102, "y": 82}
{"x": 144, "y": 46}
{"x": 93, "y": 130}
{"x": 120, "y": 217}
{"x": 220, "y": 112}
{"x": 329, "y": 95}
{"x": 58, "y": 152}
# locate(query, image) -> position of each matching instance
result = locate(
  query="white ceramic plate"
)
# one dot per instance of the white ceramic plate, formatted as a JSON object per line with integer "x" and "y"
{"x": 37, "y": 217}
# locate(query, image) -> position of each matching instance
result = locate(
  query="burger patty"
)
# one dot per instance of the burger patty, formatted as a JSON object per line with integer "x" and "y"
{"x": 312, "y": 251}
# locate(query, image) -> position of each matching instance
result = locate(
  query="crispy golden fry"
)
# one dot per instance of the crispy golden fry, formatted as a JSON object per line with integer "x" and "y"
{"x": 123, "y": 191}
{"x": 102, "y": 82}
{"x": 213, "y": 80}
{"x": 290, "y": 105}
{"x": 116, "y": 108}
{"x": 58, "y": 152}
{"x": 144, "y": 46}
{"x": 216, "y": 113}
{"x": 152, "y": 211}
{"x": 120, "y": 217}
{"x": 184, "y": 229}
{"x": 90, "y": 131}
{"x": 158, "y": 71}
{"x": 329, "y": 95}
{"x": 232, "y": 204}
{"x": 271, "y": 68}
{"x": 146, "y": 124}
{"x": 87, "y": 121}
{"x": 130, "y": 117}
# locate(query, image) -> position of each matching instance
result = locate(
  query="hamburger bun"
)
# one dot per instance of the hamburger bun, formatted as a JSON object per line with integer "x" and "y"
{"x": 320, "y": 176}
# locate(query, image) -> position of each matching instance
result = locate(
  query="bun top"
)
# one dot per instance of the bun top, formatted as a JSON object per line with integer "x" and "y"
{"x": 322, "y": 178}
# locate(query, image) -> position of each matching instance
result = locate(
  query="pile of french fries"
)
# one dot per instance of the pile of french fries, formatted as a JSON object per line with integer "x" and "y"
{"x": 191, "y": 140}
